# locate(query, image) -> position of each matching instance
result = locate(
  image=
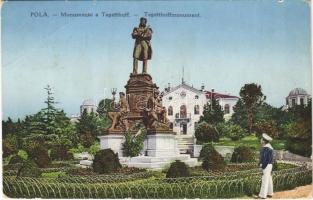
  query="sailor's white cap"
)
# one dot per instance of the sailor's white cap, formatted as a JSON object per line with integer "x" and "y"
{"x": 266, "y": 137}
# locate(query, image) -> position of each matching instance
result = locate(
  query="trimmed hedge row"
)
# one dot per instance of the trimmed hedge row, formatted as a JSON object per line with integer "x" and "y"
{"x": 195, "y": 187}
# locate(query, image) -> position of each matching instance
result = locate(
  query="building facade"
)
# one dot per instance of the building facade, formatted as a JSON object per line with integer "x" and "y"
{"x": 185, "y": 105}
{"x": 297, "y": 96}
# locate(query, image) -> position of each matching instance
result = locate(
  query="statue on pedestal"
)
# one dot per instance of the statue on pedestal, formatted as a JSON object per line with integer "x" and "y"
{"x": 119, "y": 116}
{"x": 142, "y": 49}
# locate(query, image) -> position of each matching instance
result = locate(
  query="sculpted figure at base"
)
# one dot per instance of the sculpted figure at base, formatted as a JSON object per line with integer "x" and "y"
{"x": 155, "y": 113}
{"x": 119, "y": 117}
{"x": 142, "y": 50}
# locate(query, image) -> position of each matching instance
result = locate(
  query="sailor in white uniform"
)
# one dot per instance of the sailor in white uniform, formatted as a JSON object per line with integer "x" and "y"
{"x": 266, "y": 163}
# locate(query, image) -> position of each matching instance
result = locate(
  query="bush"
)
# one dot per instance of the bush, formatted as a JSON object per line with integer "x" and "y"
{"x": 59, "y": 152}
{"x": 242, "y": 154}
{"x": 299, "y": 137}
{"x": 16, "y": 159}
{"x": 133, "y": 143}
{"x": 40, "y": 155}
{"x": 206, "y": 133}
{"x": 105, "y": 161}
{"x": 230, "y": 130}
{"x": 269, "y": 127}
{"x": 29, "y": 169}
{"x": 212, "y": 160}
{"x": 93, "y": 149}
{"x": 177, "y": 169}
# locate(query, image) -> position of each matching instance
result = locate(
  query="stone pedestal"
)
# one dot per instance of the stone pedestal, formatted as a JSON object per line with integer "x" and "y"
{"x": 161, "y": 145}
{"x": 113, "y": 142}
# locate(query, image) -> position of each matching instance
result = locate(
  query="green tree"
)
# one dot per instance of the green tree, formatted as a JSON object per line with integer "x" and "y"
{"x": 299, "y": 131}
{"x": 88, "y": 127}
{"x": 252, "y": 96}
{"x": 212, "y": 114}
{"x": 133, "y": 143}
{"x": 240, "y": 115}
{"x": 206, "y": 133}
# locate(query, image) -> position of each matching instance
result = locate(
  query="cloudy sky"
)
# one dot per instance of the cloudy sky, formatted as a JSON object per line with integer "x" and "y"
{"x": 230, "y": 44}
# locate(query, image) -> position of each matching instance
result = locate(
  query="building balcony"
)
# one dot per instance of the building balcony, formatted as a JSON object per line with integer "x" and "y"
{"x": 183, "y": 118}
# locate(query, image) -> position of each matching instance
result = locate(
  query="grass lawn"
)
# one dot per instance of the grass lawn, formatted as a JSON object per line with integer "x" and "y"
{"x": 252, "y": 141}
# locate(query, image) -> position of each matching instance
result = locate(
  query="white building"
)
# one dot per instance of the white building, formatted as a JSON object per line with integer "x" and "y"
{"x": 297, "y": 96}
{"x": 185, "y": 105}
{"x": 89, "y": 106}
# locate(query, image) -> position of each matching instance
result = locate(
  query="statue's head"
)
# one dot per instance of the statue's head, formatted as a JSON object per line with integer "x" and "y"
{"x": 122, "y": 94}
{"x": 143, "y": 22}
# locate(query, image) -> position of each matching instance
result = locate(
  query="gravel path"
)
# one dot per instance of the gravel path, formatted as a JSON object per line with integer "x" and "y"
{"x": 304, "y": 192}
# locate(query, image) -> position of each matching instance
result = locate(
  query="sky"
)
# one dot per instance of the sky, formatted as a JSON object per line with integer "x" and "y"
{"x": 231, "y": 43}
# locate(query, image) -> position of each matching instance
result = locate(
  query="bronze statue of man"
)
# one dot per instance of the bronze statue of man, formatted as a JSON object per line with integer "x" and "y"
{"x": 142, "y": 50}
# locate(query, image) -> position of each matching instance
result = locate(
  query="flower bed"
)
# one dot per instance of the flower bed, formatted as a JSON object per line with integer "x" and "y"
{"x": 149, "y": 185}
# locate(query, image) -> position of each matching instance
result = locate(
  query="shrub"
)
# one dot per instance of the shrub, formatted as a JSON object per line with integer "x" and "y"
{"x": 133, "y": 143}
{"x": 60, "y": 152}
{"x": 40, "y": 155}
{"x": 299, "y": 137}
{"x": 16, "y": 159}
{"x": 93, "y": 149}
{"x": 266, "y": 126}
{"x": 242, "y": 154}
{"x": 29, "y": 169}
{"x": 212, "y": 160}
{"x": 177, "y": 169}
{"x": 230, "y": 130}
{"x": 105, "y": 161}
{"x": 206, "y": 133}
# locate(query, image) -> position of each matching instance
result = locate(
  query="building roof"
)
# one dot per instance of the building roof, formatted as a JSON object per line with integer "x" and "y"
{"x": 208, "y": 95}
{"x": 185, "y": 86}
{"x": 89, "y": 102}
{"x": 297, "y": 91}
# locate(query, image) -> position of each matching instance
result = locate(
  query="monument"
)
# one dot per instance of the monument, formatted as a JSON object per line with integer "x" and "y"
{"x": 142, "y": 104}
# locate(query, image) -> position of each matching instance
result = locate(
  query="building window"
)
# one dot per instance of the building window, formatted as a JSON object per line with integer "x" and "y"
{"x": 226, "y": 109}
{"x": 301, "y": 101}
{"x": 183, "y": 111}
{"x": 85, "y": 110}
{"x": 171, "y": 125}
{"x": 293, "y": 102}
{"x": 197, "y": 110}
{"x": 170, "y": 111}
{"x": 170, "y": 98}
{"x": 196, "y": 97}
{"x": 177, "y": 115}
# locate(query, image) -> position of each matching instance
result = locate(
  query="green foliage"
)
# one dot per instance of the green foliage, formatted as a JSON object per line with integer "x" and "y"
{"x": 106, "y": 161}
{"x": 212, "y": 114}
{"x": 39, "y": 154}
{"x": 88, "y": 127}
{"x": 251, "y": 96}
{"x": 29, "y": 169}
{"x": 242, "y": 154}
{"x": 16, "y": 159}
{"x": 211, "y": 159}
{"x": 133, "y": 143}
{"x": 230, "y": 130}
{"x": 177, "y": 169}
{"x": 93, "y": 149}
{"x": 299, "y": 138}
{"x": 269, "y": 127}
{"x": 60, "y": 149}
{"x": 240, "y": 116}
{"x": 206, "y": 133}
{"x": 23, "y": 154}
{"x": 79, "y": 149}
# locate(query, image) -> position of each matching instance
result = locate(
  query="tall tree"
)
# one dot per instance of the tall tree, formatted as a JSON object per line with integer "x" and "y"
{"x": 212, "y": 114}
{"x": 88, "y": 127}
{"x": 252, "y": 96}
